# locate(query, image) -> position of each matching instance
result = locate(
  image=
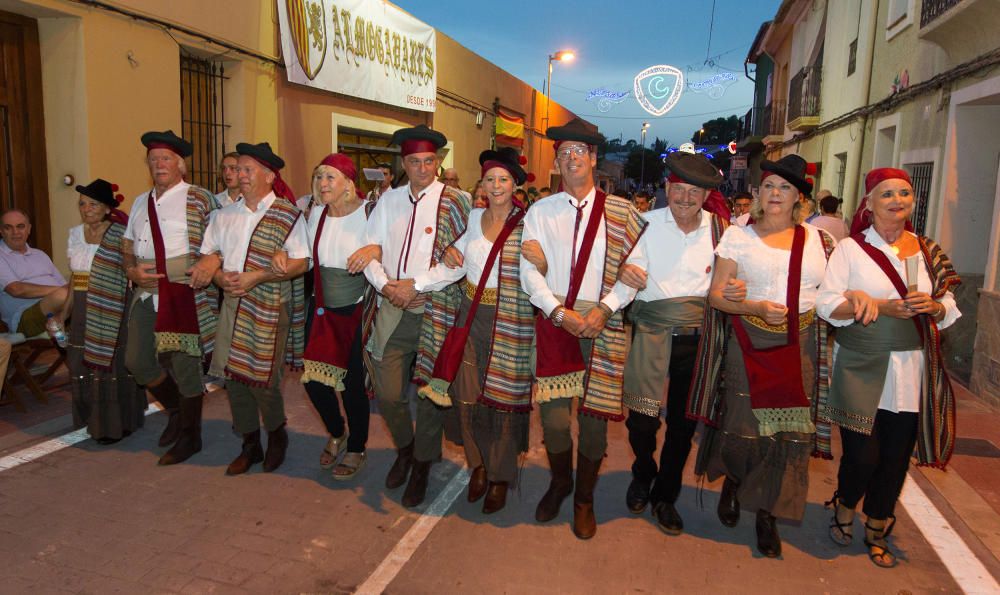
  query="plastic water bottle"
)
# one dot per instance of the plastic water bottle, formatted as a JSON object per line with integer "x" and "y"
{"x": 56, "y": 330}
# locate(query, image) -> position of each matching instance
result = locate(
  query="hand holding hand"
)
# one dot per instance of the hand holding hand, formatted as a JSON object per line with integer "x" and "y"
{"x": 735, "y": 290}
{"x": 633, "y": 276}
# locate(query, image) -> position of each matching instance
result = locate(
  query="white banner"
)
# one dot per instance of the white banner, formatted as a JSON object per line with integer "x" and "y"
{"x": 362, "y": 48}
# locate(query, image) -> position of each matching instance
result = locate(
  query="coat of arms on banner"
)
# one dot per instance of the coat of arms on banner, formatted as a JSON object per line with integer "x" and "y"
{"x": 658, "y": 88}
{"x": 307, "y": 21}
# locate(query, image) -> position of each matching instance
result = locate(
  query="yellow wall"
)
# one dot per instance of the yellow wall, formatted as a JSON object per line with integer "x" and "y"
{"x": 98, "y": 102}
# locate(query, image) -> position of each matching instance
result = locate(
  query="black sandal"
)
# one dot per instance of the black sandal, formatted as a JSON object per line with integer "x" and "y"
{"x": 841, "y": 533}
{"x": 878, "y": 548}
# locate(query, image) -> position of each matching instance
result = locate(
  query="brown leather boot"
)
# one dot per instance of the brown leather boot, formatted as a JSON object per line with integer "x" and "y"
{"x": 560, "y": 486}
{"x": 400, "y": 469}
{"x": 169, "y": 397}
{"x": 584, "y": 523}
{"x": 277, "y": 445}
{"x": 251, "y": 454}
{"x": 189, "y": 442}
{"x": 496, "y": 497}
{"x": 416, "y": 490}
{"x": 477, "y": 484}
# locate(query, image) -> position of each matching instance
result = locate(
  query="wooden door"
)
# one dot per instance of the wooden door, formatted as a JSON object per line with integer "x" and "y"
{"x": 23, "y": 175}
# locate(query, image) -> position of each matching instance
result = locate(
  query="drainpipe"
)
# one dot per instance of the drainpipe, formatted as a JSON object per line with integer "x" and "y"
{"x": 852, "y": 189}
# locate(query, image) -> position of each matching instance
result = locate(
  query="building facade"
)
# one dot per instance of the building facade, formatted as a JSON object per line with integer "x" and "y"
{"x": 83, "y": 81}
{"x": 913, "y": 84}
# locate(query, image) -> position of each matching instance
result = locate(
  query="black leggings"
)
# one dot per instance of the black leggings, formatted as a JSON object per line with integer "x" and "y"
{"x": 875, "y": 466}
{"x": 356, "y": 404}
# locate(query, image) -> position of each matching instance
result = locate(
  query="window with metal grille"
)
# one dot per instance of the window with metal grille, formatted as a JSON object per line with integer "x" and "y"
{"x": 920, "y": 175}
{"x": 203, "y": 118}
{"x": 841, "y": 173}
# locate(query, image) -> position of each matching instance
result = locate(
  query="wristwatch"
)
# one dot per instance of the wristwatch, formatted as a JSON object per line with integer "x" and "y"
{"x": 558, "y": 315}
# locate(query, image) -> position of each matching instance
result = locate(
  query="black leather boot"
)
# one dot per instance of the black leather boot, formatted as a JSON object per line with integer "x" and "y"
{"x": 416, "y": 489}
{"x": 277, "y": 446}
{"x": 729, "y": 505}
{"x": 251, "y": 454}
{"x": 560, "y": 486}
{"x": 584, "y": 522}
{"x": 169, "y": 397}
{"x": 189, "y": 442}
{"x": 768, "y": 541}
{"x": 400, "y": 469}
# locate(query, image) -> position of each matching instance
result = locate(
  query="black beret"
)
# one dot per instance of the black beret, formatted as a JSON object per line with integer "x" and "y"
{"x": 261, "y": 152}
{"x": 574, "y": 130}
{"x": 154, "y": 140}
{"x": 792, "y": 168}
{"x": 510, "y": 160}
{"x": 694, "y": 169}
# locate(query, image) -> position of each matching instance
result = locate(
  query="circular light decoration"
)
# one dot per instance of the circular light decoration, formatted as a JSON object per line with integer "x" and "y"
{"x": 658, "y": 88}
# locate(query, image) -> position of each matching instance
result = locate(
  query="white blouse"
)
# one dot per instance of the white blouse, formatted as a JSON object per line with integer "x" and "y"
{"x": 81, "y": 254}
{"x": 851, "y": 268}
{"x": 475, "y": 249}
{"x": 765, "y": 269}
{"x": 342, "y": 236}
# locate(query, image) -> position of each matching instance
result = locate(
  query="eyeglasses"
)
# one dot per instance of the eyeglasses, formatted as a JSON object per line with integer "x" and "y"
{"x": 416, "y": 161}
{"x": 577, "y": 150}
{"x": 693, "y": 192}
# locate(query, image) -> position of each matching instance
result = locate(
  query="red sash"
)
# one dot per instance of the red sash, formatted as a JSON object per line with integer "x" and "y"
{"x": 890, "y": 271}
{"x": 775, "y": 373}
{"x": 450, "y": 357}
{"x": 332, "y": 332}
{"x": 176, "y": 312}
{"x": 557, "y": 351}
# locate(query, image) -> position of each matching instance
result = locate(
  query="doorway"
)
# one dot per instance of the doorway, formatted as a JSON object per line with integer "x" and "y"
{"x": 23, "y": 174}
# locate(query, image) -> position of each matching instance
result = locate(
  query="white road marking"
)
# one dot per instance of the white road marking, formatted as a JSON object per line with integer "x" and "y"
{"x": 964, "y": 566}
{"x": 52, "y": 445}
{"x": 378, "y": 580}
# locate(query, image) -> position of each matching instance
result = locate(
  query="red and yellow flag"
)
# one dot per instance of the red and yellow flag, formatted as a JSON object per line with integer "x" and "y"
{"x": 509, "y": 129}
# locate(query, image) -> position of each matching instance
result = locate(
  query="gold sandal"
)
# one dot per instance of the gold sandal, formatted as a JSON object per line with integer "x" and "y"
{"x": 878, "y": 548}
{"x": 351, "y": 465}
{"x": 334, "y": 446}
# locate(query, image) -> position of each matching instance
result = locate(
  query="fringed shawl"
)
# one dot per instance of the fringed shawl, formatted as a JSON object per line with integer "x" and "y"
{"x": 255, "y": 332}
{"x": 602, "y": 385}
{"x": 508, "y": 368}
{"x": 200, "y": 203}
{"x": 106, "y": 291}
{"x": 441, "y": 310}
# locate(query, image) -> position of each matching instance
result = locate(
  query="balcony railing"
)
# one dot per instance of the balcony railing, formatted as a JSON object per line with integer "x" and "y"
{"x": 803, "y": 98}
{"x": 932, "y": 9}
{"x": 774, "y": 123}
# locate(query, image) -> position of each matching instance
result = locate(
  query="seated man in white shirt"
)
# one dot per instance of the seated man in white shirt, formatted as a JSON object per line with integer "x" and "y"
{"x": 32, "y": 286}
{"x": 262, "y": 316}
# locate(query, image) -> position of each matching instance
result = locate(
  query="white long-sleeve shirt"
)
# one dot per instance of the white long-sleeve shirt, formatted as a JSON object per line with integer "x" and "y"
{"x": 230, "y": 230}
{"x": 851, "y": 268}
{"x": 475, "y": 249}
{"x": 677, "y": 264}
{"x": 550, "y": 222}
{"x": 171, "y": 213}
{"x": 389, "y": 227}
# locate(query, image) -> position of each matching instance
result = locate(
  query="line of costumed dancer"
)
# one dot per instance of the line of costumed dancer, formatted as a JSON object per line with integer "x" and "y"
{"x": 493, "y": 311}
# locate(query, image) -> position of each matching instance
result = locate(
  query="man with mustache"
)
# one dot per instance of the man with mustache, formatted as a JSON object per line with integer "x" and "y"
{"x": 673, "y": 270}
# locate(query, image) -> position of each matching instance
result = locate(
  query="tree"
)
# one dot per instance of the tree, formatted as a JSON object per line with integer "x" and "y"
{"x": 718, "y": 131}
{"x": 651, "y": 172}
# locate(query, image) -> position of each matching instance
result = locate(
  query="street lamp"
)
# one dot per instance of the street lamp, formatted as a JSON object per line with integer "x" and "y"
{"x": 642, "y": 155}
{"x": 701, "y": 133}
{"x": 560, "y": 56}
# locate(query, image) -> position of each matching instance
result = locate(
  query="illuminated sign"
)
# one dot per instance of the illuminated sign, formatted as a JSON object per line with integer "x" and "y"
{"x": 714, "y": 86}
{"x": 658, "y": 88}
{"x": 606, "y": 98}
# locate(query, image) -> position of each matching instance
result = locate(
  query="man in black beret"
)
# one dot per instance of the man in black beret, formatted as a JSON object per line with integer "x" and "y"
{"x": 413, "y": 224}
{"x": 262, "y": 316}
{"x": 573, "y": 245}
{"x": 170, "y": 321}
{"x": 673, "y": 271}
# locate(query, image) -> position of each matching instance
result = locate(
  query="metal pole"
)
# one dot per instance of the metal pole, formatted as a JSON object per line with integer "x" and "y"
{"x": 548, "y": 92}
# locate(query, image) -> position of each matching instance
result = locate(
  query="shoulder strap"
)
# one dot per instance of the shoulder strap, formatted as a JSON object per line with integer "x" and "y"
{"x": 576, "y": 275}
{"x": 795, "y": 283}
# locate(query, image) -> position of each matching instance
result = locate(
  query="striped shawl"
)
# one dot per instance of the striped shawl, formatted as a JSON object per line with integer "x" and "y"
{"x": 441, "y": 310}
{"x": 508, "y": 368}
{"x": 602, "y": 384}
{"x": 200, "y": 203}
{"x": 106, "y": 293}
{"x": 255, "y": 331}
{"x": 936, "y": 426}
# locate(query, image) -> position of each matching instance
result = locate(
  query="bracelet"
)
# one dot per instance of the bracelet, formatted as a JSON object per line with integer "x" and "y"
{"x": 558, "y": 315}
